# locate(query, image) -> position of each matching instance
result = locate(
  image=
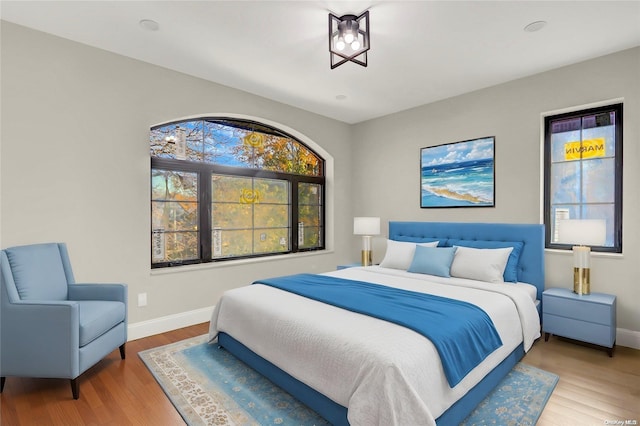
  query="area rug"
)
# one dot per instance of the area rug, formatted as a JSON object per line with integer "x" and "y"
{"x": 209, "y": 386}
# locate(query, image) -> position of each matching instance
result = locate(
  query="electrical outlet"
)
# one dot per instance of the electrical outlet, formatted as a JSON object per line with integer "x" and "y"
{"x": 142, "y": 299}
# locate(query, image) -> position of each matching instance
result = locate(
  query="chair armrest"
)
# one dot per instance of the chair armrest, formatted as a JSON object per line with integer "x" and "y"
{"x": 41, "y": 327}
{"x": 113, "y": 292}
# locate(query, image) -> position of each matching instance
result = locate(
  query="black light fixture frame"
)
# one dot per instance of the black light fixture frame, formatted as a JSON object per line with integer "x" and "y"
{"x": 359, "y": 56}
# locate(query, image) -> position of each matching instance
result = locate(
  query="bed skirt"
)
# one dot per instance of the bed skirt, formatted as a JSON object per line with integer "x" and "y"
{"x": 336, "y": 414}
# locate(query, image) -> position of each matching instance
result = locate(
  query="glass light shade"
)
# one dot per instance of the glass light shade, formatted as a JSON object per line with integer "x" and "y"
{"x": 350, "y": 30}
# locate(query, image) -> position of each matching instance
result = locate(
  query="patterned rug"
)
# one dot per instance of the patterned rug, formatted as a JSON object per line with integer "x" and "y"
{"x": 209, "y": 386}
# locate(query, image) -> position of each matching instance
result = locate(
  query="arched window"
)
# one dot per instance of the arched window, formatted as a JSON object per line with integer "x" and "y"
{"x": 227, "y": 188}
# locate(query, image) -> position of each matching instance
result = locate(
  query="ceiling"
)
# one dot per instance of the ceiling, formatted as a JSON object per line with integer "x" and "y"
{"x": 421, "y": 51}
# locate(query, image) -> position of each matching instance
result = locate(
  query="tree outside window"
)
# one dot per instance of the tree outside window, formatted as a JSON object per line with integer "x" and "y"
{"x": 227, "y": 188}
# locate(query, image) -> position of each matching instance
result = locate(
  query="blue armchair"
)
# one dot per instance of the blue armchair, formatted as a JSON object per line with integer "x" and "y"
{"x": 49, "y": 325}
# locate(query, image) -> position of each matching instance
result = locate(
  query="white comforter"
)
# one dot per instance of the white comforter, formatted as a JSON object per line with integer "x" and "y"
{"x": 383, "y": 373}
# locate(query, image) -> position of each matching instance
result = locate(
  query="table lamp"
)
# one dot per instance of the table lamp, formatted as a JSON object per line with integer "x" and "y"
{"x": 367, "y": 227}
{"x": 584, "y": 233}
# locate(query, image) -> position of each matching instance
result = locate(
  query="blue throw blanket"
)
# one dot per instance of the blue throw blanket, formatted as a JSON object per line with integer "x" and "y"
{"x": 463, "y": 333}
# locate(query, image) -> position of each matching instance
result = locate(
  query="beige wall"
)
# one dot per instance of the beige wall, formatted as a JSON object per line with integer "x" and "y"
{"x": 512, "y": 113}
{"x": 75, "y": 165}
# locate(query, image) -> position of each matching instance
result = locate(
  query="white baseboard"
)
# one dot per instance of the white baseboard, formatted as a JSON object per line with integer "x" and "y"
{"x": 142, "y": 329}
{"x": 628, "y": 338}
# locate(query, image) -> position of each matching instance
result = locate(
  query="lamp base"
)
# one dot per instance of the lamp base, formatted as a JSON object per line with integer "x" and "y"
{"x": 582, "y": 280}
{"x": 367, "y": 258}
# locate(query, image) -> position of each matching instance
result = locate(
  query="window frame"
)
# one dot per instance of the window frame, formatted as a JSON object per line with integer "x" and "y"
{"x": 205, "y": 171}
{"x": 616, "y": 107}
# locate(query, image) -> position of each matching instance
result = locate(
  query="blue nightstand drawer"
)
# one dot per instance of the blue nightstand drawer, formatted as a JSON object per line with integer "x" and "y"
{"x": 575, "y": 329}
{"x": 577, "y": 309}
{"x": 589, "y": 318}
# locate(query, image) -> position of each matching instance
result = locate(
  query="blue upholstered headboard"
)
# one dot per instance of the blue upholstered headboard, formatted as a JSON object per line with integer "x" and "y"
{"x": 531, "y": 264}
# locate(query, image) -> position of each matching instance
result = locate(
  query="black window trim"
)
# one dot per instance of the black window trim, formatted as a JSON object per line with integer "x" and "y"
{"x": 206, "y": 170}
{"x": 618, "y": 108}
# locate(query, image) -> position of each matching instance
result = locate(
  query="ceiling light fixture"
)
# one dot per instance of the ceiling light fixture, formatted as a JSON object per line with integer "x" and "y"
{"x": 348, "y": 39}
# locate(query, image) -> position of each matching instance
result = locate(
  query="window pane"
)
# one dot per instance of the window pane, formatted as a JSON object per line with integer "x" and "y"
{"x": 272, "y": 240}
{"x": 229, "y": 188}
{"x": 271, "y": 216}
{"x": 309, "y": 193}
{"x": 231, "y": 243}
{"x": 565, "y": 182}
{"x": 559, "y": 145}
{"x": 222, "y": 143}
{"x": 173, "y": 216}
{"x": 599, "y": 180}
{"x": 174, "y": 210}
{"x": 179, "y": 141}
{"x": 240, "y": 202}
{"x": 566, "y": 125}
{"x": 272, "y": 191}
{"x": 602, "y": 211}
{"x": 160, "y": 145}
{"x": 561, "y": 212}
{"x": 234, "y": 145}
{"x": 193, "y": 136}
{"x": 308, "y": 163}
{"x": 274, "y": 153}
{"x": 174, "y": 195}
{"x": 182, "y": 246}
{"x": 174, "y": 185}
{"x": 310, "y": 237}
{"x": 309, "y": 215}
{"x": 230, "y": 216}
{"x": 286, "y": 155}
{"x": 175, "y": 246}
{"x": 606, "y": 135}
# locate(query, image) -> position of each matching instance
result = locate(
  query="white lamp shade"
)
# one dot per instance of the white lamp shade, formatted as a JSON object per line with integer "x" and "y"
{"x": 584, "y": 232}
{"x": 366, "y": 226}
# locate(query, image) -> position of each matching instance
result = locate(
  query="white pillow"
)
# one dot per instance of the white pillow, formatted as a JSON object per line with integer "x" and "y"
{"x": 480, "y": 264}
{"x": 399, "y": 254}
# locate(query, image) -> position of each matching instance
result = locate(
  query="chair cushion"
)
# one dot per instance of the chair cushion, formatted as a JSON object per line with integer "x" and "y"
{"x": 97, "y": 317}
{"x": 38, "y": 272}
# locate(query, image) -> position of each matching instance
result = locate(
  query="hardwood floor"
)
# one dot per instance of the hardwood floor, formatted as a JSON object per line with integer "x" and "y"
{"x": 593, "y": 388}
{"x": 113, "y": 392}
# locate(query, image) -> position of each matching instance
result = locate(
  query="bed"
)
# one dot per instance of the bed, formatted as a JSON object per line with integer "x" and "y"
{"x": 361, "y": 370}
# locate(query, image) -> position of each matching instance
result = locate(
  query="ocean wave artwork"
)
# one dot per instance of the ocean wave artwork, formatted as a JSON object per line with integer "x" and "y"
{"x": 459, "y": 174}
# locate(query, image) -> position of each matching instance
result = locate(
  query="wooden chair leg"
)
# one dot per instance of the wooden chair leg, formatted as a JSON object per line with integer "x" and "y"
{"x": 122, "y": 354}
{"x": 75, "y": 388}
{"x": 2, "y": 380}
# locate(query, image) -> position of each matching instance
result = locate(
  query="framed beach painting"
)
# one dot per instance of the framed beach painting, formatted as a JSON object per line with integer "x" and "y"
{"x": 459, "y": 174}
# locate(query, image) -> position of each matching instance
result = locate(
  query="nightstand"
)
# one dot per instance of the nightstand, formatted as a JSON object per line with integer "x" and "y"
{"x": 589, "y": 318}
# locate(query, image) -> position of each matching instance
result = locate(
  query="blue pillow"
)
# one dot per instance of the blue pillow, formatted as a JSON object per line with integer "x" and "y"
{"x": 511, "y": 270}
{"x": 433, "y": 260}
